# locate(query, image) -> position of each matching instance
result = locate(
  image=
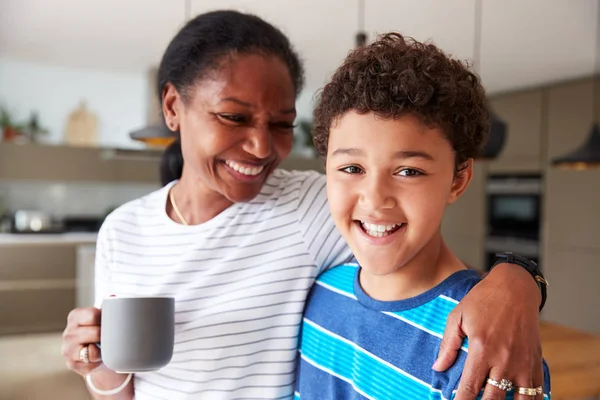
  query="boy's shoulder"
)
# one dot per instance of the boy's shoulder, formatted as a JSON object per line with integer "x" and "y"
{"x": 341, "y": 278}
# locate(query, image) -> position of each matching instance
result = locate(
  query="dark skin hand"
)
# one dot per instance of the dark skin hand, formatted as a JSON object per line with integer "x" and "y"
{"x": 500, "y": 315}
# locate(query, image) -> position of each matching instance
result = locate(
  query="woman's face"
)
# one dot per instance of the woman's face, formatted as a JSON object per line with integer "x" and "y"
{"x": 236, "y": 124}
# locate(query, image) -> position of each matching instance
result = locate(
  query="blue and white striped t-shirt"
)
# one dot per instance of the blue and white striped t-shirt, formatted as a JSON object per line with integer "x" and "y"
{"x": 355, "y": 347}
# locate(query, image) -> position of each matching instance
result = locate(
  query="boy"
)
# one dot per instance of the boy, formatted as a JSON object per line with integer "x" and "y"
{"x": 399, "y": 124}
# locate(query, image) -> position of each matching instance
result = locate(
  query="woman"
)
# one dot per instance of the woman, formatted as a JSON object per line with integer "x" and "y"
{"x": 239, "y": 243}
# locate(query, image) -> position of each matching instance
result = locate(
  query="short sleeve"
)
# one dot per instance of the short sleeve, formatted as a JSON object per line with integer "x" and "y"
{"x": 324, "y": 242}
{"x": 102, "y": 267}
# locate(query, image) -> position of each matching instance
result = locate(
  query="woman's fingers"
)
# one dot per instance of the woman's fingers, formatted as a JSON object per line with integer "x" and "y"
{"x": 474, "y": 374}
{"x": 84, "y": 317}
{"x": 492, "y": 392}
{"x": 535, "y": 380}
{"x": 82, "y": 331}
{"x": 452, "y": 341}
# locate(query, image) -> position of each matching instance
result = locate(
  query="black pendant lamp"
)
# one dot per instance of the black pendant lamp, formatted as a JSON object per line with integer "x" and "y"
{"x": 361, "y": 35}
{"x": 498, "y": 128}
{"x": 588, "y": 154}
{"x": 159, "y": 135}
{"x": 154, "y": 135}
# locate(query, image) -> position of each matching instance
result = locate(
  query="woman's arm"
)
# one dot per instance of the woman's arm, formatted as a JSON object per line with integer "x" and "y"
{"x": 500, "y": 316}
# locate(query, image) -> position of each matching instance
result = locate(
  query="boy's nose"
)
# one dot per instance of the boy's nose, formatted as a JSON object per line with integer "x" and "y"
{"x": 378, "y": 194}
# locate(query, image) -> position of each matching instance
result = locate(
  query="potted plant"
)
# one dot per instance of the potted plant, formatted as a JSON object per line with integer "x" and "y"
{"x": 10, "y": 129}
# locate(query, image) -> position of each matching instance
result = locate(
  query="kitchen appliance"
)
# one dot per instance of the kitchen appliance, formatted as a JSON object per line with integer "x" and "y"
{"x": 32, "y": 221}
{"x": 513, "y": 215}
{"x": 514, "y": 206}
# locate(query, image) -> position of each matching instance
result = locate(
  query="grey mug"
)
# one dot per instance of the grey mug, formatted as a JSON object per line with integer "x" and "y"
{"x": 137, "y": 334}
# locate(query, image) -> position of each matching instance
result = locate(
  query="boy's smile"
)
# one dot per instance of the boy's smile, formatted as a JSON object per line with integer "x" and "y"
{"x": 388, "y": 184}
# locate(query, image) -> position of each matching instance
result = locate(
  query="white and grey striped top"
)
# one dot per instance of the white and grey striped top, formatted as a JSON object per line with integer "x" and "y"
{"x": 240, "y": 281}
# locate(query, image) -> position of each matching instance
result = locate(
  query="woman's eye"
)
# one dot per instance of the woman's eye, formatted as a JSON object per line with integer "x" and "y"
{"x": 352, "y": 169}
{"x": 409, "y": 172}
{"x": 284, "y": 125}
{"x": 237, "y": 118}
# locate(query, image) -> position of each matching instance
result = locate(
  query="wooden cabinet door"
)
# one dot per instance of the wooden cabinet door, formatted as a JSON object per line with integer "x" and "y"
{"x": 522, "y": 112}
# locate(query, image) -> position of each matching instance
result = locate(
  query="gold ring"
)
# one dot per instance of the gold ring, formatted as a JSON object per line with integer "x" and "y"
{"x": 504, "y": 384}
{"x": 530, "y": 391}
{"x": 84, "y": 354}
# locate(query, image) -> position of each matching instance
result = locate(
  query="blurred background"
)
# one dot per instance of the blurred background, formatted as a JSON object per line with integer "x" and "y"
{"x": 77, "y": 78}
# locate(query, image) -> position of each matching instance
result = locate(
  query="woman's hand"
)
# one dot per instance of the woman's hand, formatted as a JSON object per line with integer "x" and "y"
{"x": 83, "y": 328}
{"x": 500, "y": 317}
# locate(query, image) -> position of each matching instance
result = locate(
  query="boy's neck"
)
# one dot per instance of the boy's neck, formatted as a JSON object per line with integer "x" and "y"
{"x": 431, "y": 266}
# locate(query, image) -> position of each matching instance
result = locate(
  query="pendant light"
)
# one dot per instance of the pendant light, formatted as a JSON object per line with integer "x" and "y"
{"x": 361, "y": 35}
{"x": 159, "y": 135}
{"x": 588, "y": 154}
{"x": 498, "y": 128}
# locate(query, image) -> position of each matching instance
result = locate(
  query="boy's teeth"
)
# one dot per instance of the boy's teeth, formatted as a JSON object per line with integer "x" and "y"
{"x": 252, "y": 171}
{"x": 378, "y": 230}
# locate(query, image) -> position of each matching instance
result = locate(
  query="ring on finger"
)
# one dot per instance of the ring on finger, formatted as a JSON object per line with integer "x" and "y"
{"x": 530, "y": 391}
{"x": 503, "y": 384}
{"x": 84, "y": 354}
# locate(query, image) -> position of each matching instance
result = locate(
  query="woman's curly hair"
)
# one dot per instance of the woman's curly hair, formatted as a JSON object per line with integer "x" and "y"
{"x": 395, "y": 76}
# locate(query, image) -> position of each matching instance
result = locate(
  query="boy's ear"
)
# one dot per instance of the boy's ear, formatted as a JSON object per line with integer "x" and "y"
{"x": 461, "y": 180}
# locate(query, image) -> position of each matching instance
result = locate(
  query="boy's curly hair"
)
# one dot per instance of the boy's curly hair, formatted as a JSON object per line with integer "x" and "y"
{"x": 395, "y": 76}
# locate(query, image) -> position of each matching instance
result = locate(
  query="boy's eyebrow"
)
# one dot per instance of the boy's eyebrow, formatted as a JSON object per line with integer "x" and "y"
{"x": 412, "y": 154}
{"x": 348, "y": 152}
{"x": 403, "y": 154}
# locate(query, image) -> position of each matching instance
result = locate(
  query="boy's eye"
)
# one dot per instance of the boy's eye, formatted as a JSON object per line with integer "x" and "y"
{"x": 409, "y": 172}
{"x": 352, "y": 169}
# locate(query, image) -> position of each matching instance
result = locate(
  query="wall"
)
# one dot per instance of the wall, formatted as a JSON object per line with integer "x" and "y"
{"x": 118, "y": 99}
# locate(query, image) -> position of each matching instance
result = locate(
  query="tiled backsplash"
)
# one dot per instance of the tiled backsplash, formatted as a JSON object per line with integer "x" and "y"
{"x": 72, "y": 198}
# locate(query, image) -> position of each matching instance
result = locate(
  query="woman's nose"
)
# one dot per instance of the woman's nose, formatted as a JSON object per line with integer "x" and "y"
{"x": 259, "y": 142}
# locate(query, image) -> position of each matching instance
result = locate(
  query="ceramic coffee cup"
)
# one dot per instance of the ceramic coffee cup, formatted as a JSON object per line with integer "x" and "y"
{"x": 137, "y": 334}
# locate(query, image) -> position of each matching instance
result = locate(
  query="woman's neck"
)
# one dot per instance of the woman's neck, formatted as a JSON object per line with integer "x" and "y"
{"x": 195, "y": 201}
{"x": 432, "y": 265}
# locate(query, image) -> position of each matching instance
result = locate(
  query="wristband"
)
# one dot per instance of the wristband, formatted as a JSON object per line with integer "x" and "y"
{"x": 88, "y": 380}
{"x": 529, "y": 266}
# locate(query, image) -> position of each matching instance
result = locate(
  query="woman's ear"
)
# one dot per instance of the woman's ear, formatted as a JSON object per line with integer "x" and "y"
{"x": 171, "y": 106}
{"x": 462, "y": 178}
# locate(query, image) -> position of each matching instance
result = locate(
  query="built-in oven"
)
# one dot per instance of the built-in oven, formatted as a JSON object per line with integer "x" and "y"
{"x": 514, "y": 206}
{"x": 514, "y": 212}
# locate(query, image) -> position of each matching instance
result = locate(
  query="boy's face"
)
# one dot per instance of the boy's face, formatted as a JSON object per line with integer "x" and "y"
{"x": 388, "y": 184}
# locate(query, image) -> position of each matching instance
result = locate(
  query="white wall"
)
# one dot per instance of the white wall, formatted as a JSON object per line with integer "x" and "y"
{"x": 119, "y": 99}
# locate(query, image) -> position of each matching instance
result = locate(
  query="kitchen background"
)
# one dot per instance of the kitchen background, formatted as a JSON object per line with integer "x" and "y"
{"x": 76, "y": 77}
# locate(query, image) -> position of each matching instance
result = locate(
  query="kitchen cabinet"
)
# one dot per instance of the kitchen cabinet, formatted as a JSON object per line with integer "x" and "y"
{"x": 58, "y": 163}
{"x": 37, "y": 287}
{"x": 67, "y": 163}
{"x": 522, "y": 152}
{"x": 571, "y": 214}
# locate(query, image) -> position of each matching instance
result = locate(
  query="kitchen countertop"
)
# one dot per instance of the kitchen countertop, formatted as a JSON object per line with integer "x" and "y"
{"x": 27, "y": 239}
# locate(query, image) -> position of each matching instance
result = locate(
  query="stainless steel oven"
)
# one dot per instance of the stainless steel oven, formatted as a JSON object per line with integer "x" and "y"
{"x": 514, "y": 206}
{"x": 513, "y": 215}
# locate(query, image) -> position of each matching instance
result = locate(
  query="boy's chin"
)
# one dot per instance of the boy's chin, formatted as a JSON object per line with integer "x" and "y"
{"x": 378, "y": 266}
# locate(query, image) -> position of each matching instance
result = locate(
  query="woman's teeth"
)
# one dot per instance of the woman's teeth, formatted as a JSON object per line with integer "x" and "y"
{"x": 242, "y": 169}
{"x": 379, "y": 230}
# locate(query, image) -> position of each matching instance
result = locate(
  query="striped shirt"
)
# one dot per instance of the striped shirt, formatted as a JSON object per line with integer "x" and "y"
{"x": 355, "y": 347}
{"x": 240, "y": 282}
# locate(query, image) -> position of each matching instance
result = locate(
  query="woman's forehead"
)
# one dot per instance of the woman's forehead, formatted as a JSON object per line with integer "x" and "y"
{"x": 255, "y": 80}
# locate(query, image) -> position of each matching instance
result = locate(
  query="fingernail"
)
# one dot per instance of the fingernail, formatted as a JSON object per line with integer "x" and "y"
{"x": 434, "y": 366}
